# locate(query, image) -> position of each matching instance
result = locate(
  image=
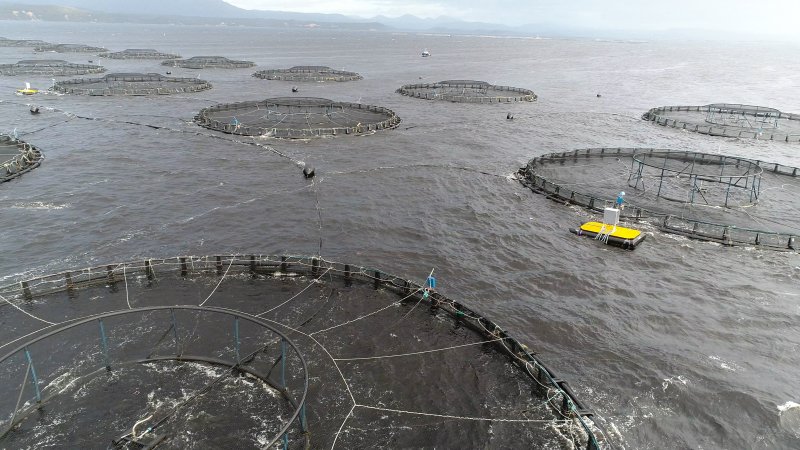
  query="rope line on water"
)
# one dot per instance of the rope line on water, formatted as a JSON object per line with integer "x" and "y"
{"x": 313, "y": 282}
{"x": 418, "y": 353}
{"x": 220, "y": 282}
{"x": 448, "y": 416}
{"x": 27, "y": 313}
{"x": 125, "y": 278}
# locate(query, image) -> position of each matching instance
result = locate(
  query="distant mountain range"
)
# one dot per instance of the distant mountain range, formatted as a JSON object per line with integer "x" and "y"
{"x": 218, "y": 12}
{"x": 214, "y": 12}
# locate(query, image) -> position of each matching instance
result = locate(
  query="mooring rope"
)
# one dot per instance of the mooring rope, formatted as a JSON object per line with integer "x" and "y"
{"x": 27, "y": 313}
{"x": 220, "y": 282}
{"x": 367, "y": 315}
{"x": 418, "y": 353}
{"x": 125, "y": 278}
{"x": 313, "y": 282}
{"x": 448, "y": 416}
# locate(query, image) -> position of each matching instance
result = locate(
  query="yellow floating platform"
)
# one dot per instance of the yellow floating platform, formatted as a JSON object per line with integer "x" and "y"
{"x": 627, "y": 238}
{"x": 27, "y": 91}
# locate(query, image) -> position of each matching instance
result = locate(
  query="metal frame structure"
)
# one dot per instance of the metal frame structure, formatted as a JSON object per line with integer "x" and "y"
{"x": 645, "y": 165}
{"x": 745, "y": 116}
{"x": 237, "y": 362}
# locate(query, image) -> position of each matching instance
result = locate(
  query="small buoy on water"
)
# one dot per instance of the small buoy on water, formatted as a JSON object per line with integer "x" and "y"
{"x": 91, "y": 62}
{"x": 308, "y": 172}
{"x": 34, "y": 109}
{"x": 169, "y": 73}
{"x": 294, "y": 88}
{"x": 509, "y": 116}
{"x": 598, "y": 95}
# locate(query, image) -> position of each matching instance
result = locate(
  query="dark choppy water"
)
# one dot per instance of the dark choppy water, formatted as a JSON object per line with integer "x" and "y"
{"x": 679, "y": 344}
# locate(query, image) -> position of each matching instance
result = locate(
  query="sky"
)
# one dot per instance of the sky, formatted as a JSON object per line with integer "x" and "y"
{"x": 770, "y": 17}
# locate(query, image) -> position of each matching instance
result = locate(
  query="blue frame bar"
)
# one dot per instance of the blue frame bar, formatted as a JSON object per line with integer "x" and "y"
{"x": 104, "y": 341}
{"x": 34, "y": 378}
{"x": 236, "y": 338}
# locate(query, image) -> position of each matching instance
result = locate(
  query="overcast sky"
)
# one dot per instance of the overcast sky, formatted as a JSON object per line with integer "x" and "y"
{"x": 780, "y": 17}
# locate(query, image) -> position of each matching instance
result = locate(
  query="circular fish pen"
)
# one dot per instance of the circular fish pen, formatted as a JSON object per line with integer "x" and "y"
{"x": 138, "y": 53}
{"x": 131, "y": 84}
{"x": 69, "y": 48}
{"x": 467, "y": 91}
{"x": 250, "y": 351}
{"x": 307, "y": 73}
{"x": 49, "y": 67}
{"x": 296, "y": 117}
{"x": 730, "y": 200}
{"x": 208, "y": 62}
{"x": 5, "y": 42}
{"x": 729, "y": 120}
{"x": 17, "y": 157}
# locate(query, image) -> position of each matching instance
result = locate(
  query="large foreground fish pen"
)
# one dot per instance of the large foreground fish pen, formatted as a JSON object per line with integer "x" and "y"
{"x": 725, "y": 199}
{"x": 268, "y": 351}
{"x": 467, "y": 91}
{"x": 730, "y": 120}
{"x": 296, "y": 117}
{"x": 17, "y": 157}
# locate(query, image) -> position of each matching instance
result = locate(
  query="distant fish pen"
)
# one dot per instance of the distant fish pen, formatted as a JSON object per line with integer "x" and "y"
{"x": 467, "y": 91}
{"x": 5, "y": 42}
{"x": 712, "y": 197}
{"x": 729, "y": 120}
{"x": 260, "y": 351}
{"x": 307, "y": 73}
{"x": 69, "y": 48}
{"x": 17, "y": 157}
{"x": 208, "y": 62}
{"x": 296, "y": 117}
{"x": 138, "y": 53}
{"x": 131, "y": 84}
{"x": 49, "y": 67}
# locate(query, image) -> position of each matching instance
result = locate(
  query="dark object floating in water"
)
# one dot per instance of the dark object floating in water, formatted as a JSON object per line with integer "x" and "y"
{"x": 308, "y": 172}
{"x": 34, "y": 109}
{"x": 294, "y": 88}
{"x": 509, "y": 116}
{"x": 169, "y": 73}
{"x": 598, "y": 95}
{"x": 91, "y": 62}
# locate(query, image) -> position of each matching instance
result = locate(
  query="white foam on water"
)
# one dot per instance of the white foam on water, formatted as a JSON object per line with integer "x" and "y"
{"x": 36, "y": 206}
{"x": 674, "y": 380}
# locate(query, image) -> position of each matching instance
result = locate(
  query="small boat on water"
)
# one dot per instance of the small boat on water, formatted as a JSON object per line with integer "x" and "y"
{"x": 28, "y": 90}
{"x": 426, "y": 53}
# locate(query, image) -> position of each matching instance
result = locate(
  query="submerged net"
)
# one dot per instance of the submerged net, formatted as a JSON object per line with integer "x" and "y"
{"x": 208, "y": 62}
{"x": 307, "y": 73}
{"x": 387, "y": 363}
{"x": 296, "y": 117}
{"x": 730, "y": 120}
{"x": 705, "y": 196}
{"x": 131, "y": 84}
{"x": 17, "y": 157}
{"x": 49, "y": 67}
{"x": 467, "y": 91}
{"x": 138, "y": 53}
